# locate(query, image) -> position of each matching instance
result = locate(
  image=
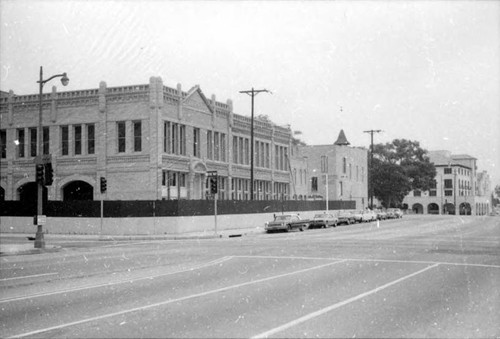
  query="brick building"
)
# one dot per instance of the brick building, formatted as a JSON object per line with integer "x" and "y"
{"x": 154, "y": 142}
{"x": 458, "y": 189}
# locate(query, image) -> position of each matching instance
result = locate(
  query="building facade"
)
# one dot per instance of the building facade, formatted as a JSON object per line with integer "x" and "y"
{"x": 153, "y": 142}
{"x": 149, "y": 142}
{"x": 458, "y": 188}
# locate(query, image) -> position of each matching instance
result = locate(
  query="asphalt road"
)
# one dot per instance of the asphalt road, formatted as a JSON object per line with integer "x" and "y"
{"x": 427, "y": 276}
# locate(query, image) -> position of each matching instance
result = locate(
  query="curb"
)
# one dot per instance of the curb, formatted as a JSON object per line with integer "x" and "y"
{"x": 31, "y": 251}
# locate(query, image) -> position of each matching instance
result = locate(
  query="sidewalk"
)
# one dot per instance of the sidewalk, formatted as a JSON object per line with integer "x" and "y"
{"x": 22, "y": 245}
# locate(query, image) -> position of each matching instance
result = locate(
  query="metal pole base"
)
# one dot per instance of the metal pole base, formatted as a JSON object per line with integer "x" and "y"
{"x": 39, "y": 240}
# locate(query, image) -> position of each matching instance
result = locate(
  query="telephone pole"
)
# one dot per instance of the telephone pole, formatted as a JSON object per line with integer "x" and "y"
{"x": 253, "y": 92}
{"x": 370, "y": 183}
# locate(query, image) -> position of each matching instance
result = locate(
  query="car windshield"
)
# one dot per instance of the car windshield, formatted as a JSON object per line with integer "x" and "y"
{"x": 283, "y": 217}
{"x": 322, "y": 216}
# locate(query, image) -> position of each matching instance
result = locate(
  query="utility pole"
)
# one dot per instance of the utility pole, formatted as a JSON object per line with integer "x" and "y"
{"x": 371, "y": 165}
{"x": 253, "y": 92}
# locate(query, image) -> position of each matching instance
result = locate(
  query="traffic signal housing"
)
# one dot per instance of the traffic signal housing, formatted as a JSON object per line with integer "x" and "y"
{"x": 49, "y": 174}
{"x": 40, "y": 177}
{"x": 103, "y": 185}
{"x": 213, "y": 184}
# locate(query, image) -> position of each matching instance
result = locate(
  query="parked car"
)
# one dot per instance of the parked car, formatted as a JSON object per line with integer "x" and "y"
{"x": 345, "y": 217}
{"x": 358, "y": 216}
{"x": 369, "y": 215}
{"x": 381, "y": 215}
{"x": 394, "y": 213}
{"x": 286, "y": 222}
{"x": 323, "y": 220}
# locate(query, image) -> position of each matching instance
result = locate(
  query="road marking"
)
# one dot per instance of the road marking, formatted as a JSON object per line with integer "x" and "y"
{"x": 372, "y": 260}
{"x": 170, "y": 301}
{"x": 337, "y": 305}
{"x": 129, "y": 280}
{"x": 29, "y": 276}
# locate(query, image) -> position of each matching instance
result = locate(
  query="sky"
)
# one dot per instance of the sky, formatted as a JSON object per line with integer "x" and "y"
{"x": 427, "y": 71}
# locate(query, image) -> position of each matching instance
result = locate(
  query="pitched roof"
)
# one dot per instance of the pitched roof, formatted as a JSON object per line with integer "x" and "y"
{"x": 342, "y": 140}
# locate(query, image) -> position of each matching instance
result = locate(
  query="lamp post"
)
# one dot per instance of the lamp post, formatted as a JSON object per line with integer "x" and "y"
{"x": 39, "y": 240}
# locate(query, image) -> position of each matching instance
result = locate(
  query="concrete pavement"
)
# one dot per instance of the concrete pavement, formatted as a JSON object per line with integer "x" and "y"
{"x": 23, "y": 243}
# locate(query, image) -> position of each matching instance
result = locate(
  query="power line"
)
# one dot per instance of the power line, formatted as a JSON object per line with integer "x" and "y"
{"x": 370, "y": 183}
{"x": 253, "y": 92}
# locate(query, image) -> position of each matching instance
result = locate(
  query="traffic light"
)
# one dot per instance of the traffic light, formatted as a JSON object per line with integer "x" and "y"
{"x": 49, "y": 174}
{"x": 40, "y": 173}
{"x": 213, "y": 185}
{"x": 103, "y": 185}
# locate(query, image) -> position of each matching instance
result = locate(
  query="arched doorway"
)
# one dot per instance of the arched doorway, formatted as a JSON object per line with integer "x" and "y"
{"x": 465, "y": 208}
{"x": 78, "y": 190}
{"x": 418, "y": 209}
{"x": 449, "y": 208}
{"x": 29, "y": 192}
{"x": 433, "y": 208}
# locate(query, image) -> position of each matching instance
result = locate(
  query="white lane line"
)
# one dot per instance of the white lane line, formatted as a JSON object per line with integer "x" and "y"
{"x": 337, "y": 305}
{"x": 129, "y": 280}
{"x": 170, "y": 301}
{"x": 372, "y": 260}
{"x": 29, "y": 276}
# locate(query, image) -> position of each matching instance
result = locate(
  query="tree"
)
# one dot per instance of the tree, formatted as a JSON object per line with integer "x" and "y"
{"x": 398, "y": 168}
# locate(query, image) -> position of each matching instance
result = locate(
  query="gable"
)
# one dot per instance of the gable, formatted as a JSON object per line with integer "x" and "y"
{"x": 196, "y": 101}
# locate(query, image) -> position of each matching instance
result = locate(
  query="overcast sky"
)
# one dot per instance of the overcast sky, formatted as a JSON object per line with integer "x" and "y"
{"x": 420, "y": 70}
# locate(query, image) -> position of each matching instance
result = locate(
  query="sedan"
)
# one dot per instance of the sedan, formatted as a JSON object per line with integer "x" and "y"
{"x": 345, "y": 217}
{"x": 324, "y": 220}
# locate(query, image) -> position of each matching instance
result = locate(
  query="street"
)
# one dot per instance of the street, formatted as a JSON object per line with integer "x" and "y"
{"x": 420, "y": 276}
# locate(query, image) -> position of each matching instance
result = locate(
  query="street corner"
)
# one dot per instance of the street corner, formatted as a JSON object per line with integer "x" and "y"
{"x": 25, "y": 249}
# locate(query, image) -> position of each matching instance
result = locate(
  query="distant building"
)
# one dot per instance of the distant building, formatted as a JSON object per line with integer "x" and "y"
{"x": 336, "y": 171}
{"x": 458, "y": 187}
{"x": 153, "y": 142}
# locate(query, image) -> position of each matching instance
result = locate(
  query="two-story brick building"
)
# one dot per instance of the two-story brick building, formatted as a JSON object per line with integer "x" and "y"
{"x": 154, "y": 142}
{"x": 458, "y": 187}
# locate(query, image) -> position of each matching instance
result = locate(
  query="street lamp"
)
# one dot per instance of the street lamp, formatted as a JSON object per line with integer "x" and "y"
{"x": 39, "y": 240}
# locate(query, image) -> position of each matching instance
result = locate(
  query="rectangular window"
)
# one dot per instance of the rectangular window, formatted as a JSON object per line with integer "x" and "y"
{"x": 137, "y": 136}
{"x": 33, "y": 142}
{"x": 448, "y": 183}
{"x": 3, "y": 143}
{"x": 174, "y": 139}
{"x": 433, "y": 184}
{"x": 166, "y": 137}
{"x": 417, "y": 193}
{"x": 216, "y": 146}
{"x": 64, "y": 140}
{"x": 182, "y": 179}
{"x": 235, "y": 150}
{"x": 240, "y": 146}
{"x": 247, "y": 152}
{"x": 324, "y": 164}
{"x": 276, "y": 157}
{"x": 344, "y": 165}
{"x": 314, "y": 184}
{"x": 196, "y": 142}
{"x": 78, "y": 139}
{"x": 432, "y": 193}
{"x": 447, "y": 170}
{"x": 46, "y": 141}
{"x": 257, "y": 154}
{"x": 209, "y": 145}
{"x": 341, "y": 188}
{"x": 182, "y": 140}
{"x": 121, "y": 136}
{"x": 90, "y": 139}
{"x": 223, "y": 147}
{"x": 448, "y": 193}
{"x": 267, "y": 156}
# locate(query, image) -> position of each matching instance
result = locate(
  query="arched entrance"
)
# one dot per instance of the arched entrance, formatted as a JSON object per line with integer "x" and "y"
{"x": 433, "y": 208}
{"x": 449, "y": 208}
{"x": 418, "y": 209}
{"x": 465, "y": 208}
{"x": 78, "y": 190}
{"x": 29, "y": 192}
